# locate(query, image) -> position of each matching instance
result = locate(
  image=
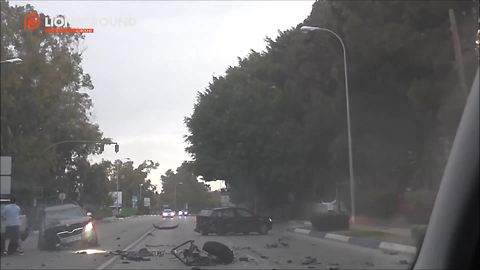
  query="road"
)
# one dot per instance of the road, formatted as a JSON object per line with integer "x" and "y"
{"x": 138, "y": 232}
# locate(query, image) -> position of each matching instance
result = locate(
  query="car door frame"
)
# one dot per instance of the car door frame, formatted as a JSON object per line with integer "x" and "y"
{"x": 251, "y": 224}
{"x": 225, "y": 224}
{"x": 451, "y": 240}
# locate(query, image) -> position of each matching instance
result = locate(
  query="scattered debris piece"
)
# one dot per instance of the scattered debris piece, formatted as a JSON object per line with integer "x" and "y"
{"x": 369, "y": 264}
{"x": 284, "y": 241}
{"x": 130, "y": 255}
{"x": 144, "y": 252}
{"x": 43, "y": 265}
{"x": 118, "y": 238}
{"x": 309, "y": 260}
{"x": 150, "y": 245}
{"x": 263, "y": 257}
{"x": 243, "y": 259}
{"x": 289, "y": 261}
{"x": 125, "y": 262}
{"x": 403, "y": 261}
{"x": 274, "y": 245}
{"x": 149, "y": 234}
{"x": 390, "y": 252}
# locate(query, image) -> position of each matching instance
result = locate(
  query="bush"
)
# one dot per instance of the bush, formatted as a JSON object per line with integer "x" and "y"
{"x": 418, "y": 233}
{"x": 330, "y": 221}
{"x": 419, "y": 205}
{"x": 377, "y": 203}
{"x": 102, "y": 212}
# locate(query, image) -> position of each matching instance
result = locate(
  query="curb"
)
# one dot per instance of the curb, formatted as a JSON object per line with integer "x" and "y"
{"x": 358, "y": 241}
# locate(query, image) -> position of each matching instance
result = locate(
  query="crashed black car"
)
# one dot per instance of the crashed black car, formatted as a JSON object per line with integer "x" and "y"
{"x": 66, "y": 225}
{"x": 231, "y": 220}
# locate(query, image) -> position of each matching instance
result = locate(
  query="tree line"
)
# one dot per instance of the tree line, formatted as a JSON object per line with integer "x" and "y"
{"x": 274, "y": 126}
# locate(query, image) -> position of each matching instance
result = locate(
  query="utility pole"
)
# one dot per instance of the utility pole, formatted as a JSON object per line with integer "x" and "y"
{"x": 458, "y": 53}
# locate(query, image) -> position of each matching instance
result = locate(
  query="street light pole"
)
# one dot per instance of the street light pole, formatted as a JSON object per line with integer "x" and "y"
{"x": 347, "y": 101}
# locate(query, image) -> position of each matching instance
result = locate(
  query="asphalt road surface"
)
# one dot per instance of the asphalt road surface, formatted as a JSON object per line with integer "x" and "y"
{"x": 251, "y": 251}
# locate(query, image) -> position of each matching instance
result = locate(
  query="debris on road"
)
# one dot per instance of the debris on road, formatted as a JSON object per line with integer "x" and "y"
{"x": 390, "y": 252}
{"x": 274, "y": 245}
{"x": 144, "y": 252}
{"x": 263, "y": 257}
{"x": 310, "y": 260}
{"x": 284, "y": 241}
{"x": 118, "y": 238}
{"x": 150, "y": 245}
{"x": 369, "y": 264}
{"x": 243, "y": 259}
{"x": 211, "y": 253}
{"x": 137, "y": 256}
{"x": 289, "y": 261}
{"x": 403, "y": 261}
{"x": 149, "y": 234}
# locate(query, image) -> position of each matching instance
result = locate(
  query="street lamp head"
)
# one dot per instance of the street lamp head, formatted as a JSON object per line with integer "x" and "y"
{"x": 12, "y": 61}
{"x": 306, "y": 29}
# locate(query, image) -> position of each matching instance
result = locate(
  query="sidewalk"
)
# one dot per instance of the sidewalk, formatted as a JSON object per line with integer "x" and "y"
{"x": 379, "y": 237}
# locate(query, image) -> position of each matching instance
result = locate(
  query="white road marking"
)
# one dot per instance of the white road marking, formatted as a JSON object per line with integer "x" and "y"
{"x": 134, "y": 243}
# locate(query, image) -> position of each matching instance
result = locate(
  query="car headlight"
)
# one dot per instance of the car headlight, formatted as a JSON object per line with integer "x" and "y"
{"x": 172, "y": 214}
{"x": 164, "y": 214}
{"x": 185, "y": 213}
{"x": 180, "y": 213}
{"x": 88, "y": 227}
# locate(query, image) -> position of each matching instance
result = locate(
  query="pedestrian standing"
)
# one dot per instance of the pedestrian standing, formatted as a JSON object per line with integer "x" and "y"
{"x": 11, "y": 215}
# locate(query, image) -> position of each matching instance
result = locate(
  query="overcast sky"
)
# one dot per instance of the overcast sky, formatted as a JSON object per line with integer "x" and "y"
{"x": 148, "y": 60}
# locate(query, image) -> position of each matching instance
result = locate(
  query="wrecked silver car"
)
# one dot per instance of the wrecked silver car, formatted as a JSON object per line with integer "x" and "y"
{"x": 66, "y": 225}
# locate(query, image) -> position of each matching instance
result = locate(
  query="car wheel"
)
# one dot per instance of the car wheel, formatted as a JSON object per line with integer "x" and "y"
{"x": 221, "y": 251}
{"x": 263, "y": 229}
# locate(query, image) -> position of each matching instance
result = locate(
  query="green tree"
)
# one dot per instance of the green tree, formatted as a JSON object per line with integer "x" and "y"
{"x": 197, "y": 195}
{"x": 275, "y": 124}
{"x": 44, "y": 100}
